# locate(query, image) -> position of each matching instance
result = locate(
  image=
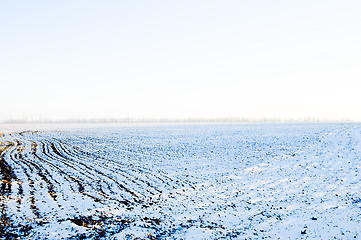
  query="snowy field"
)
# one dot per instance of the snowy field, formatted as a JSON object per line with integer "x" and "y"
{"x": 250, "y": 181}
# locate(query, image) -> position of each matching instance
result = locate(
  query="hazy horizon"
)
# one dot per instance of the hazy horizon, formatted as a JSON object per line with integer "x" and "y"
{"x": 180, "y": 60}
{"x": 178, "y": 120}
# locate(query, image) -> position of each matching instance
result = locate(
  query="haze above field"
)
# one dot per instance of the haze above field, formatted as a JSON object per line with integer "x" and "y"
{"x": 185, "y": 59}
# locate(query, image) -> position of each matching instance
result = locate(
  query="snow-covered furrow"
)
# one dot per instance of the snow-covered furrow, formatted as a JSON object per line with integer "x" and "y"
{"x": 47, "y": 180}
{"x": 287, "y": 181}
{"x": 128, "y": 165}
{"x": 121, "y": 169}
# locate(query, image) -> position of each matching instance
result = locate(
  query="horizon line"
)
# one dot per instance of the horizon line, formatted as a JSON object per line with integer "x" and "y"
{"x": 183, "y": 120}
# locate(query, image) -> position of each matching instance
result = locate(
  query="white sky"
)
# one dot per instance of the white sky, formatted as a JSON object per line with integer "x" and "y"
{"x": 180, "y": 59}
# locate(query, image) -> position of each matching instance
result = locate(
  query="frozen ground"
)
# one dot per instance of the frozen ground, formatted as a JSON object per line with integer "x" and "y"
{"x": 287, "y": 181}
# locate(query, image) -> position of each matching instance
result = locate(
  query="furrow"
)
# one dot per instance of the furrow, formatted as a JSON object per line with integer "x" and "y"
{"x": 114, "y": 168}
{"x": 119, "y": 168}
{"x": 98, "y": 172}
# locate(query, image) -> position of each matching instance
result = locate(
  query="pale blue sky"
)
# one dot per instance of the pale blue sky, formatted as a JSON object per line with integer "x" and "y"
{"x": 180, "y": 59}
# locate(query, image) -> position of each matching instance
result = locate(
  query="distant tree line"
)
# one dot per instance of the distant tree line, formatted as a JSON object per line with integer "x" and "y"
{"x": 181, "y": 120}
